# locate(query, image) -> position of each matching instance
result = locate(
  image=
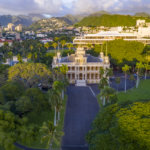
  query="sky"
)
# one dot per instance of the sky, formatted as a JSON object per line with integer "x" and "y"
{"x": 62, "y": 7}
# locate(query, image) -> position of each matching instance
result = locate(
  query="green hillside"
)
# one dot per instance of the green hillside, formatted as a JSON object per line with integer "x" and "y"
{"x": 110, "y": 20}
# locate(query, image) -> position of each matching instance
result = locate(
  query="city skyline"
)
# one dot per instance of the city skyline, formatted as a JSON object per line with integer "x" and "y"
{"x": 63, "y": 7}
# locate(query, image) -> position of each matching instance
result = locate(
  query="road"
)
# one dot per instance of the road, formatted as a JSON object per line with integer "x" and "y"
{"x": 82, "y": 108}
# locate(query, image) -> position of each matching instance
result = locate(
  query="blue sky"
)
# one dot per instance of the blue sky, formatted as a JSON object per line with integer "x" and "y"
{"x": 62, "y": 7}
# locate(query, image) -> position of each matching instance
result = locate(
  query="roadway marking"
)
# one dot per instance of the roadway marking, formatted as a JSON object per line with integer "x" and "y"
{"x": 92, "y": 91}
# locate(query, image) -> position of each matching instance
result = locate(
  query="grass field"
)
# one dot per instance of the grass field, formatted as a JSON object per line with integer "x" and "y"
{"x": 142, "y": 93}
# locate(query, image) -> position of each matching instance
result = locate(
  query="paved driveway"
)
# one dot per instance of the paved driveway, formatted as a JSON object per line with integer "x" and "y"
{"x": 82, "y": 107}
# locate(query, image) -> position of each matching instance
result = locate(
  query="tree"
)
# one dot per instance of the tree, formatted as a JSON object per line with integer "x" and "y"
{"x": 12, "y": 91}
{"x": 47, "y": 45}
{"x": 107, "y": 95}
{"x": 64, "y": 70}
{"x": 10, "y": 56}
{"x": 23, "y": 105}
{"x": 70, "y": 45}
{"x": 139, "y": 67}
{"x": 147, "y": 67}
{"x": 119, "y": 127}
{"x": 103, "y": 82}
{"x": 50, "y": 135}
{"x": 30, "y": 73}
{"x": 31, "y": 47}
{"x": 56, "y": 103}
{"x": 117, "y": 79}
{"x": 55, "y": 46}
{"x": 13, "y": 129}
{"x": 63, "y": 43}
{"x": 125, "y": 69}
{"x": 19, "y": 58}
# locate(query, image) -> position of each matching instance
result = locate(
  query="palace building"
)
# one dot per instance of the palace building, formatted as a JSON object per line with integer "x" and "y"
{"x": 83, "y": 68}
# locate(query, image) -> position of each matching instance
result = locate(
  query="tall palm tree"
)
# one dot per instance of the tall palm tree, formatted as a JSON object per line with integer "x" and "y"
{"x": 139, "y": 66}
{"x": 108, "y": 73}
{"x": 125, "y": 69}
{"x": 103, "y": 82}
{"x": 19, "y": 58}
{"x": 64, "y": 70}
{"x": 55, "y": 46}
{"x": 107, "y": 95}
{"x": 55, "y": 102}
{"x": 147, "y": 67}
{"x": 10, "y": 56}
{"x": 49, "y": 134}
{"x": 31, "y": 47}
{"x": 70, "y": 45}
{"x": 63, "y": 43}
{"x": 117, "y": 80}
{"x": 101, "y": 72}
{"x": 47, "y": 45}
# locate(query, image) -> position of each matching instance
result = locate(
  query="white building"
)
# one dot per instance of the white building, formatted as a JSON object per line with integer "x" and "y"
{"x": 13, "y": 61}
{"x": 46, "y": 40}
{"x": 41, "y": 35}
{"x": 82, "y": 68}
{"x": 105, "y": 36}
{"x": 144, "y": 31}
{"x": 19, "y": 28}
{"x": 2, "y": 41}
{"x": 140, "y": 23}
{"x": 10, "y": 26}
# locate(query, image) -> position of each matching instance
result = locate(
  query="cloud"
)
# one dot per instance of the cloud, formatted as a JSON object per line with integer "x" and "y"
{"x": 61, "y": 7}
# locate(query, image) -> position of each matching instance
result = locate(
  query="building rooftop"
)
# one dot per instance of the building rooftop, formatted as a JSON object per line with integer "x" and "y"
{"x": 90, "y": 59}
{"x": 110, "y": 33}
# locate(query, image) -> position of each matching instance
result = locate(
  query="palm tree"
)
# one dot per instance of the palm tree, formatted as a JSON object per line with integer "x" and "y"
{"x": 31, "y": 47}
{"x": 56, "y": 39}
{"x": 139, "y": 66}
{"x": 64, "y": 70}
{"x": 108, "y": 73}
{"x": 10, "y": 56}
{"x": 101, "y": 72}
{"x": 117, "y": 81}
{"x": 19, "y": 58}
{"x": 55, "y": 46}
{"x": 103, "y": 82}
{"x": 47, "y": 45}
{"x": 63, "y": 43}
{"x": 29, "y": 56}
{"x": 49, "y": 134}
{"x": 107, "y": 95}
{"x": 55, "y": 102}
{"x": 125, "y": 69}
{"x": 147, "y": 67}
{"x": 70, "y": 45}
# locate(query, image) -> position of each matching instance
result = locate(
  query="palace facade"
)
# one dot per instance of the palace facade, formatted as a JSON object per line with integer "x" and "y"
{"x": 83, "y": 68}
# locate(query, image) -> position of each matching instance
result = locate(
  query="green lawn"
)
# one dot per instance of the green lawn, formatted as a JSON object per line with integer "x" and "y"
{"x": 141, "y": 93}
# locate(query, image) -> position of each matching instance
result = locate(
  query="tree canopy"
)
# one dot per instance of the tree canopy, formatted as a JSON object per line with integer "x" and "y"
{"x": 30, "y": 73}
{"x": 108, "y": 20}
{"x": 121, "y": 128}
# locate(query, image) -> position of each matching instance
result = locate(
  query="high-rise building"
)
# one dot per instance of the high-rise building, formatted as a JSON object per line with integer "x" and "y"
{"x": 1, "y": 30}
{"x": 19, "y": 28}
{"x": 10, "y": 26}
